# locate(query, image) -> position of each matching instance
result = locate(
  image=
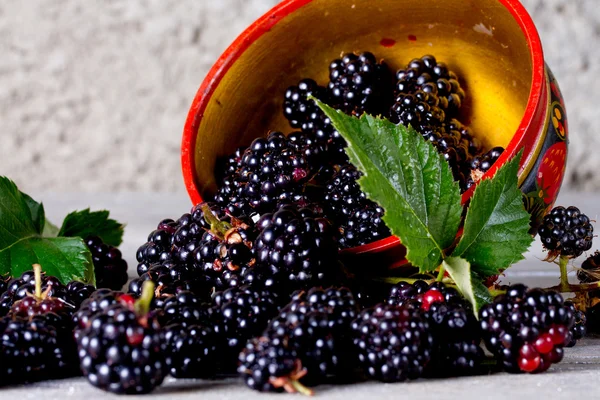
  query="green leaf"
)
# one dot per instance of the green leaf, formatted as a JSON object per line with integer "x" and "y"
{"x": 16, "y": 221}
{"x": 496, "y": 227}
{"x": 467, "y": 283}
{"x": 50, "y": 230}
{"x": 65, "y": 258}
{"x": 38, "y": 215}
{"x": 97, "y": 223}
{"x": 406, "y": 176}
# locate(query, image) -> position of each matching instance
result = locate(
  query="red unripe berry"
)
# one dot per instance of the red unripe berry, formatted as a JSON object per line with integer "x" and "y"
{"x": 544, "y": 344}
{"x": 430, "y": 297}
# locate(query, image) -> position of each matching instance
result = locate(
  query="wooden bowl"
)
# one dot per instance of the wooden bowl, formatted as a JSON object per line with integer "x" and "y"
{"x": 512, "y": 100}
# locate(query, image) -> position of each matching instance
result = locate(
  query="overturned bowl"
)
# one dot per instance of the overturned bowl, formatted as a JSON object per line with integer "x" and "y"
{"x": 513, "y": 99}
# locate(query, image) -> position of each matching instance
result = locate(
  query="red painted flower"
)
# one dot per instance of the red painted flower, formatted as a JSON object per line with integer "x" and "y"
{"x": 551, "y": 171}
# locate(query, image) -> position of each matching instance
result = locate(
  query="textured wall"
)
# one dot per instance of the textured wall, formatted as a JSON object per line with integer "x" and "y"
{"x": 93, "y": 95}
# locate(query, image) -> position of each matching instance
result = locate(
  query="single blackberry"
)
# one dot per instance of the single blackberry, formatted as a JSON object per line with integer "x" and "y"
{"x": 579, "y": 330}
{"x": 19, "y": 288}
{"x": 78, "y": 292}
{"x": 473, "y": 144}
{"x": 294, "y": 250}
{"x": 158, "y": 247}
{"x": 240, "y": 314}
{"x": 358, "y": 218}
{"x": 358, "y": 84}
{"x": 272, "y": 169}
{"x": 482, "y": 164}
{"x": 191, "y": 351}
{"x": 419, "y": 109}
{"x": 185, "y": 308}
{"x": 35, "y": 348}
{"x": 526, "y": 329}
{"x": 98, "y": 302}
{"x": 394, "y": 343}
{"x": 426, "y": 73}
{"x": 566, "y": 232}
{"x": 109, "y": 266}
{"x": 303, "y": 113}
{"x": 270, "y": 364}
{"x": 120, "y": 348}
{"x": 453, "y": 325}
{"x": 590, "y": 269}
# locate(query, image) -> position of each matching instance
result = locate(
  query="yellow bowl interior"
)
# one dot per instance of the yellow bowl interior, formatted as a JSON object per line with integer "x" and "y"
{"x": 477, "y": 39}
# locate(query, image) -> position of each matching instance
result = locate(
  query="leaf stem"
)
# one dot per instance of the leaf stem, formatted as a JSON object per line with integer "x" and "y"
{"x": 564, "y": 279}
{"x": 37, "y": 274}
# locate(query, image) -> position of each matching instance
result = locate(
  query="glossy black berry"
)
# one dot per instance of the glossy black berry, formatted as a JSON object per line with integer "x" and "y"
{"x": 526, "y": 329}
{"x": 394, "y": 343}
{"x": 579, "y": 329}
{"x": 191, "y": 351}
{"x": 109, "y": 266}
{"x": 358, "y": 84}
{"x": 482, "y": 164}
{"x": 419, "y": 110}
{"x": 566, "y": 232}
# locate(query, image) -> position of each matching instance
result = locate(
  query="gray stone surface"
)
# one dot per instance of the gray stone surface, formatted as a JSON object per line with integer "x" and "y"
{"x": 94, "y": 95}
{"x": 576, "y": 377}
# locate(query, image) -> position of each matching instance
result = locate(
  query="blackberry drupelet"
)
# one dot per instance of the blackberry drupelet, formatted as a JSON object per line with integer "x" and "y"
{"x": 394, "y": 343}
{"x": 240, "y": 314}
{"x": 526, "y": 329}
{"x": 191, "y": 351}
{"x": 358, "y": 218}
{"x": 270, "y": 364}
{"x": 294, "y": 250}
{"x": 120, "y": 348}
{"x": 358, "y": 84}
{"x": 482, "y": 164}
{"x": 303, "y": 113}
{"x": 272, "y": 170}
{"x": 426, "y": 73}
{"x": 419, "y": 109}
{"x": 35, "y": 348}
{"x": 590, "y": 269}
{"x": 566, "y": 232}
{"x": 109, "y": 266}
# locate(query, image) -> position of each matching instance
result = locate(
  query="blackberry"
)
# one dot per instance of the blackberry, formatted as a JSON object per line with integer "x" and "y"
{"x": 191, "y": 351}
{"x": 272, "y": 169}
{"x": 109, "y": 266}
{"x": 78, "y": 292}
{"x": 242, "y": 313}
{"x": 482, "y": 164}
{"x": 566, "y": 232}
{"x": 19, "y": 288}
{"x": 578, "y": 331}
{"x": 98, "y": 302}
{"x": 185, "y": 308}
{"x": 35, "y": 348}
{"x": 294, "y": 250}
{"x": 426, "y": 73}
{"x": 305, "y": 114}
{"x": 526, "y": 329}
{"x": 419, "y": 109}
{"x": 394, "y": 343}
{"x": 473, "y": 144}
{"x": 358, "y": 84}
{"x": 120, "y": 348}
{"x": 270, "y": 364}
{"x": 358, "y": 218}
{"x": 590, "y": 269}
{"x": 158, "y": 247}
{"x": 454, "y": 327}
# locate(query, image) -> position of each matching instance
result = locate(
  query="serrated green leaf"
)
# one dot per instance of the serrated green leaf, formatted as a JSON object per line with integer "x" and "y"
{"x": 61, "y": 257}
{"x": 15, "y": 216}
{"x": 467, "y": 283}
{"x": 406, "y": 176}
{"x": 38, "y": 215}
{"x": 496, "y": 227}
{"x": 50, "y": 230}
{"x": 97, "y": 223}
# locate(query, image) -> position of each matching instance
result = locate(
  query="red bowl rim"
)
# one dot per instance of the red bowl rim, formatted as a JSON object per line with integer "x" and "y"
{"x": 286, "y": 7}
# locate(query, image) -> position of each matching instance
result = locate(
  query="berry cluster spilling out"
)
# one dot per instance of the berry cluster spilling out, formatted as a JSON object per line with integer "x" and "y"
{"x": 307, "y": 343}
{"x": 566, "y": 232}
{"x": 527, "y": 329}
{"x": 109, "y": 266}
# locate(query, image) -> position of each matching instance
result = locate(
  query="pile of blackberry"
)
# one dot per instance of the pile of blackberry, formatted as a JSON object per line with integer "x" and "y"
{"x": 306, "y": 344}
{"x": 527, "y": 329}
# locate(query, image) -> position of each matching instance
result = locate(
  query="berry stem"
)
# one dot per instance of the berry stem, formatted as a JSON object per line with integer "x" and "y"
{"x": 219, "y": 228}
{"x": 564, "y": 279}
{"x": 300, "y": 388}
{"x": 142, "y": 305}
{"x": 441, "y": 273}
{"x": 570, "y": 288}
{"x": 37, "y": 274}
